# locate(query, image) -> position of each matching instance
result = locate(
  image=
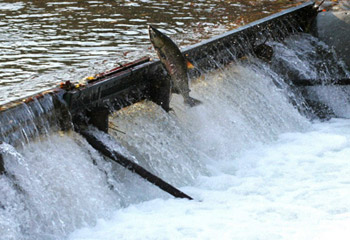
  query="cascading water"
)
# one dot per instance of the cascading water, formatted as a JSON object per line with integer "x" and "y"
{"x": 58, "y": 184}
{"x": 303, "y": 57}
{"x": 21, "y": 124}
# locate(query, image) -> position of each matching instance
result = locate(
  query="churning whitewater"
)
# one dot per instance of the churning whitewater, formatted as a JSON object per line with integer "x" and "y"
{"x": 294, "y": 188}
{"x": 256, "y": 167}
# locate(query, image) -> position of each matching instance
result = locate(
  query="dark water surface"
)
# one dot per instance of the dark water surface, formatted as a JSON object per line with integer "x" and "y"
{"x": 45, "y": 42}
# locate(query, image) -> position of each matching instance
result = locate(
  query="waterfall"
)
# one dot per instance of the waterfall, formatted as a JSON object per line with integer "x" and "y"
{"x": 58, "y": 183}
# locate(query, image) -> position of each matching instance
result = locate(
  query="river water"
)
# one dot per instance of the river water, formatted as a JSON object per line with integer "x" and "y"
{"x": 45, "y": 42}
{"x": 255, "y": 165}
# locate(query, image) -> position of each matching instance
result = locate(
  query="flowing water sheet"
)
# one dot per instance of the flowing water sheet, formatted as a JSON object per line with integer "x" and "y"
{"x": 255, "y": 165}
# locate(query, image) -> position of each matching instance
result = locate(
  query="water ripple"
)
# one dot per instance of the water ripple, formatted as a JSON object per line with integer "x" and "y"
{"x": 49, "y": 38}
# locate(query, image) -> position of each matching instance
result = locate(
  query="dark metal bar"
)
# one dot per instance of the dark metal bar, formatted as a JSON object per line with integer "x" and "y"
{"x": 128, "y": 164}
{"x": 2, "y": 167}
{"x": 320, "y": 82}
{"x": 99, "y": 119}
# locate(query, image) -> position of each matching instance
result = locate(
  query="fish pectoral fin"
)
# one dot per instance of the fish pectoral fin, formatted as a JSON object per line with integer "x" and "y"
{"x": 189, "y": 65}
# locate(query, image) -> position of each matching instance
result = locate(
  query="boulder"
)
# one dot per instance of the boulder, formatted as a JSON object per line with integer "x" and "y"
{"x": 334, "y": 29}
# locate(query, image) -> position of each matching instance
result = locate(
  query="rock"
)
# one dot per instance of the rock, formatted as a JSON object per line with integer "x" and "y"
{"x": 334, "y": 29}
{"x": 327, "y": 5}
{"x": 344, "y": 4}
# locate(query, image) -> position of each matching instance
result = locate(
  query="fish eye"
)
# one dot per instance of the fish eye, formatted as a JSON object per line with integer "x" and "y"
{"x": 161, "y": 54}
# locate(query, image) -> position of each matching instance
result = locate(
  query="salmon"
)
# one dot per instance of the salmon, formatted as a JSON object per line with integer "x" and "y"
{"x": 175, "y": 64}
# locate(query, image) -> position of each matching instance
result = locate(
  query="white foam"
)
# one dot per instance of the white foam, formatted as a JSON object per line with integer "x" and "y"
{"x": 294, "y": 188}
{"x": 50, "y": 190}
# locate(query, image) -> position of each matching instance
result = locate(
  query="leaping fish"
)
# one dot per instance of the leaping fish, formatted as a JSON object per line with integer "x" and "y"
{"x": 174, "y": 62}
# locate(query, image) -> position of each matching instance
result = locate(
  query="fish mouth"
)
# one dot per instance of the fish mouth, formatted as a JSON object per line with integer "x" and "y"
{"x": 152, "y": 32}
{"x": 155, "y": 36}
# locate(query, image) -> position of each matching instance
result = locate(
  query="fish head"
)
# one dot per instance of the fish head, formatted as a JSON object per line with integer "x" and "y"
{"x": 157, "y": 38}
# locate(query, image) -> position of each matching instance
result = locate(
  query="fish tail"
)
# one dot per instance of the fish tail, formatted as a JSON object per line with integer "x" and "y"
{"x": 192, "y": 102}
